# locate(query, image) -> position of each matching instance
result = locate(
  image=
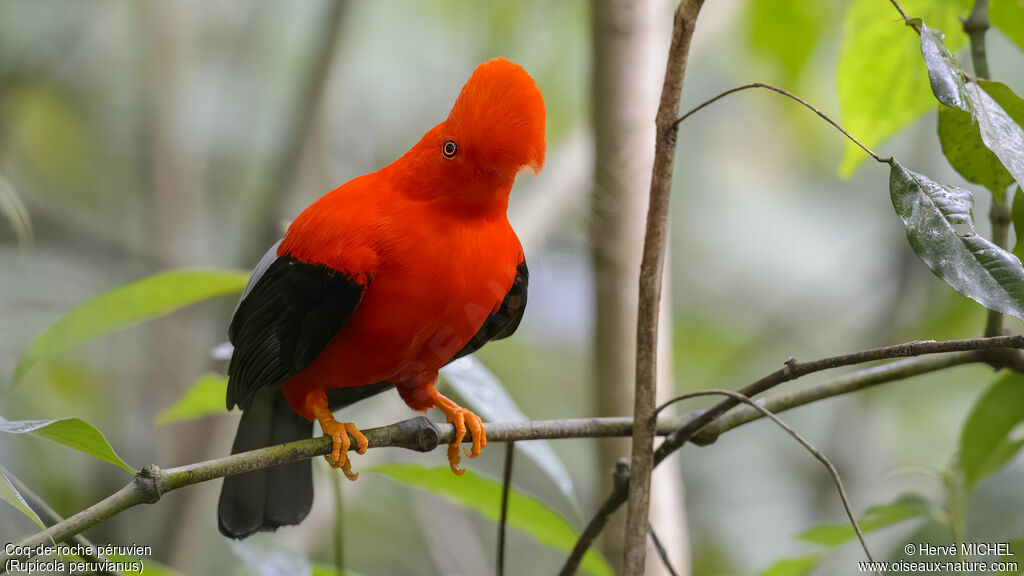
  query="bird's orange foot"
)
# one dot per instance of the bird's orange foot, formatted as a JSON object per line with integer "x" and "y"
{"x": 339, "y": 433}
{"x": 462, "y": 419}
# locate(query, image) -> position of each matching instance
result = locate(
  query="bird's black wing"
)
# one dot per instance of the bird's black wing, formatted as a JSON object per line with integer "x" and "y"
{"x": 288, "y": 314}
{"x": 503, "y": 322}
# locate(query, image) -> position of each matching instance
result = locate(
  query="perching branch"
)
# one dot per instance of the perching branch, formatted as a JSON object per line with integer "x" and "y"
{"x": 836, "y": 125}
{"x": 791, "y": 371}
{"x": 652, "y": 266}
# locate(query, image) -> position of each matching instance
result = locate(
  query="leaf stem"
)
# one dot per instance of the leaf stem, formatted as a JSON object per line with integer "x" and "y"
{"x": 776, "y": 89}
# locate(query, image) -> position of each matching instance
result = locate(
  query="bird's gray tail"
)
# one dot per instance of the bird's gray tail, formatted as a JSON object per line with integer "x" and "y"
{"x": 280, "y": 495}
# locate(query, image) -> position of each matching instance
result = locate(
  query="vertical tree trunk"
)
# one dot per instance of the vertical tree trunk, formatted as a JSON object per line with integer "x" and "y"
{"x": 629, "y": 57}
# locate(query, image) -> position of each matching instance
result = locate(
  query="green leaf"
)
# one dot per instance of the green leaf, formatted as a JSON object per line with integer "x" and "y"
{"x": 11, "y": 495}
{"x": 940, "y": 229}
{"x": 962, "y": 145}
{"x": 1000, "y": 133}
{"x": 786, "y": 31}
{"x": 204, "y": 398}
{"x": 796, "y": 566}
{"x": 987, "y": 441}
{"x": 484, "y": 495}
{"x": 71, "y": 432}
{"x": 906, "y": 507}
{"x": 129, "y": 305}
{"x": 944, "y": 72}
{"x": 997, "y": 111}
{"x": 882, "y": 85}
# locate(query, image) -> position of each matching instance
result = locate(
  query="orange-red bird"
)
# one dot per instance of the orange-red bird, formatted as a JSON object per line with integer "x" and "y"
{"x": 380, "y": 283}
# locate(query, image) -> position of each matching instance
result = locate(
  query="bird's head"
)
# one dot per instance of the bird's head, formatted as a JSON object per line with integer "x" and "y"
{"x": 494, "y": 131}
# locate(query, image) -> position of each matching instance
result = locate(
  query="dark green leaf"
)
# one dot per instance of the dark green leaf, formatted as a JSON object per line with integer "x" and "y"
{"x": 963, "y": 147}
{"x": 940, "y": 229}
{"x": 882, "y": 85}
{"x": 71, "y": 432}
{"x": 796, "y": 566}
{"x": 906, "y": 507}
{"x": 786, "y": 31}
{"x": 204, "y": 398}
{"x": 996, "y": 109}
{"x": 129, "y": 305}
{"x": 944, "y": 73}
{"x": 987, "y": 440}
{"x": 10, "y": 494}
{"x": 992, "y": 105}
{"x": 484, "y": 495}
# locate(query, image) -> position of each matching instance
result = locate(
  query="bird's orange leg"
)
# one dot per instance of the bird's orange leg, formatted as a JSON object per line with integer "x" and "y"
{"x": 462, "y": 419}
{"x": 316, "y": 402}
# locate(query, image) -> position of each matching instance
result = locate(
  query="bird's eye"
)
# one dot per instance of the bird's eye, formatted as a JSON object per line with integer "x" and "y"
{"x": 449, "y": 149}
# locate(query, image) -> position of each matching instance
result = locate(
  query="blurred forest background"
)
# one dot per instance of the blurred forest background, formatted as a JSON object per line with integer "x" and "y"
{"x": 142, "y": 136}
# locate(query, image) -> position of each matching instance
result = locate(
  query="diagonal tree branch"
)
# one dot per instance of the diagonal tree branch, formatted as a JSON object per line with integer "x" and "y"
{"x": 791, "y": 371}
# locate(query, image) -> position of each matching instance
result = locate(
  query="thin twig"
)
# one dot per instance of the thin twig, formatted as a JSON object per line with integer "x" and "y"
{"x": 845, "y": 384}
{"x": 652, "y": 267}
{"x": 803, "y": 442}
{"x": 791, "y": 371}
{"x": 506, "y": 485}
{"x": 909, "y": 21}
{"x": 836, "y": 125}
{"x": 662, "y": 553}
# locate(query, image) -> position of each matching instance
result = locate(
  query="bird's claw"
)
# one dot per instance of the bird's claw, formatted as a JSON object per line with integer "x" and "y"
{"x": 464, "y": 419}
{"x": 339, "y": 433}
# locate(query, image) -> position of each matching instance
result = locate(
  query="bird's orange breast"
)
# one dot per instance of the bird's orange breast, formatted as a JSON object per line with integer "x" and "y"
{"x": 435, "y": 279}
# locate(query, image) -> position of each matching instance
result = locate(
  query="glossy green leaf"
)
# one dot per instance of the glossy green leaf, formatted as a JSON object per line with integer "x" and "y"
{"x": 1000, "y": 131}
{"x": 988, "y": 439}
{"x": 944, "y": 72}
{"x": 962, "y": 145}
{"x": 11, "y": 495}
{"x": 997, "y": 111}
{"x": 940, "y": 229}
{"x": 484, "y": 495}
{"x": 786, "y": 31}
{"x": 882, "y": 85}
{"x": 796, "y": 566}
{"x": 905, "y": 507}
{"x": 129, "y": 305}
{"x": 204, "y": 398}
{"x": 71, "y": 432}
